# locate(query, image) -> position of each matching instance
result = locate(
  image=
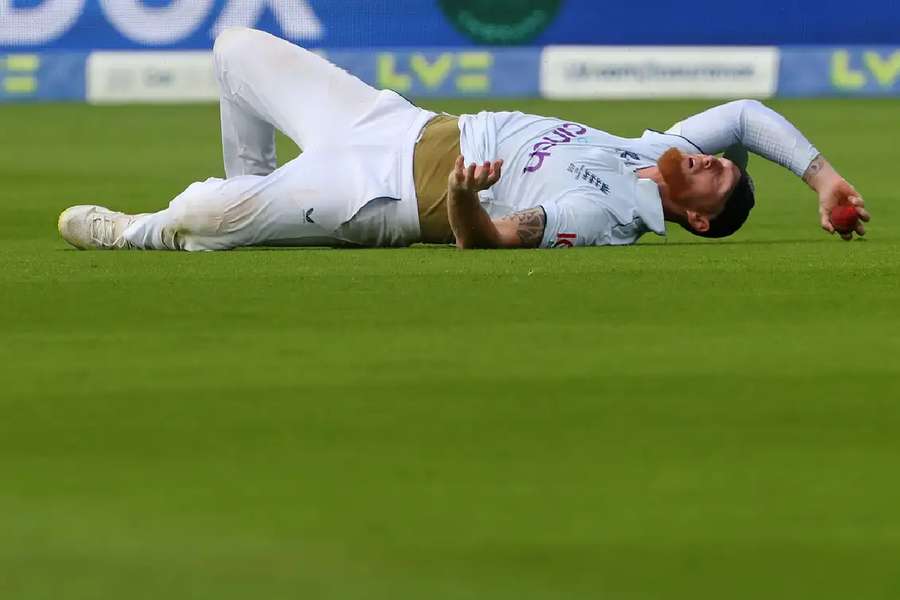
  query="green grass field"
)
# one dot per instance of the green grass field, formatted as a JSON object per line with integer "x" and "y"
{"x": 683, "y": 419}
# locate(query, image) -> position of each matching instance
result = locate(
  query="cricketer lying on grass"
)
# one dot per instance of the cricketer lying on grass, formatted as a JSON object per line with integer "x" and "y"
{"x": 378, "y": 171}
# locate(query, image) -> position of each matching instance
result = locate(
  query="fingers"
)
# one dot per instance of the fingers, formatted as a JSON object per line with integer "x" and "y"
{"x": 458, "y": 176}
{"x": 860, "y": 229}
{"x": 841, "y": 194}
{"x": 825, "y": 221}
{"x": 496, "y": 172}
{"x": 489, "y": 173}
{"x": 860, "y": 205}
{"x": 477, "y": 177}
{"x": 481, "y": 175}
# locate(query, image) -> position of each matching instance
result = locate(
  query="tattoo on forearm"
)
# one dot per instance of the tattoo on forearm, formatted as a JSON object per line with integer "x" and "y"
{"x": 814, "y": 167}
{"x": 529, "y": 226}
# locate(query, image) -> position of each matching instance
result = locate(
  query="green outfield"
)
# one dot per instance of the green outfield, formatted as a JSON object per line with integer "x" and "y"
{"x": 682, "y": 419}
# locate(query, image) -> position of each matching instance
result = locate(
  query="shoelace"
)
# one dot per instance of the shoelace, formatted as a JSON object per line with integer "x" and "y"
{"x": 103, "y": 231}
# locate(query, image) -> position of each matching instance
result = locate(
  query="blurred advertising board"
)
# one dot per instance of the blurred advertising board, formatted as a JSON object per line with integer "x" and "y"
{"x": 567, "y": 72}
{"x": 848, "y": 71}
{"x": 155, "y": 76}
{"x": 26, "y": 76}
{"x": 583, "y": 72}
{"x": 193, "y": 24}
{"x": 151, "y": 76}
{"x": 447, "y": 73}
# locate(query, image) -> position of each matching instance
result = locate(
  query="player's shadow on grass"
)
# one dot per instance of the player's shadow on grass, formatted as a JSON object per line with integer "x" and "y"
{"x": 449, "y": 247}
{"x": 745, "y": 242}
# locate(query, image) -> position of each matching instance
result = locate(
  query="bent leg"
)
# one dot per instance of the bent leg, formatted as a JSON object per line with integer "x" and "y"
{"x": 248, "y": 142}
{"x": 266, "y": 81}
{"x": 306, "y": 202}
{"x": 222, "y": 214}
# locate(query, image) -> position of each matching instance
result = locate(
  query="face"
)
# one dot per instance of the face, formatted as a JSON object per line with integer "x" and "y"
{"x": 699, "y": 182}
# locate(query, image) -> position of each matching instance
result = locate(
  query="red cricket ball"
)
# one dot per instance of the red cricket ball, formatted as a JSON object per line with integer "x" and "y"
{"x": 844, "y": 218}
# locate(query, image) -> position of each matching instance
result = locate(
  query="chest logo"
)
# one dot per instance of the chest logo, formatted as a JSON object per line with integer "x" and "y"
{"x": 563, "y": 134}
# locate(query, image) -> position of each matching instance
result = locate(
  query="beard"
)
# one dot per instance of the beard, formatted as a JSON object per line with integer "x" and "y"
{"x": 670, "y": 169}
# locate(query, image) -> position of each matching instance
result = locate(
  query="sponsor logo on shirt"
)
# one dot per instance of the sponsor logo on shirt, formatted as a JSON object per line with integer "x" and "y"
{"x": 563, "y": 134}
{"x": 565, "y": 240}
{"x": 582, "y": 173}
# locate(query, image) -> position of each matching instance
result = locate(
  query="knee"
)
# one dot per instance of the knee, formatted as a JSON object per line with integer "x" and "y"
{"x": 233, "y": 42}
{"x": 227, "y": 51}
{"x": 195, "y": 214}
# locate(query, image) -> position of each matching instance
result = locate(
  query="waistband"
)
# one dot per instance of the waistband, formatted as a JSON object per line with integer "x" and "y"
{"x": 433, "y": 160}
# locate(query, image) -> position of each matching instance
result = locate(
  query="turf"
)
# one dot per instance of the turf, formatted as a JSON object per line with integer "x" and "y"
{"x": 677, "y": 419}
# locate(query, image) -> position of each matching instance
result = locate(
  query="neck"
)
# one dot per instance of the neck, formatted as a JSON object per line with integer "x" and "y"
{"x": 671, "y": 211}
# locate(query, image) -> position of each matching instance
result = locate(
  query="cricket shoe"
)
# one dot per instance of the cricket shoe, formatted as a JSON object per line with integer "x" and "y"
{"x": 95, "y": 228}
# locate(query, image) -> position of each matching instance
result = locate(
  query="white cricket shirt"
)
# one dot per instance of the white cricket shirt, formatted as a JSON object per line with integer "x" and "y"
{"x": 583, "y": 178}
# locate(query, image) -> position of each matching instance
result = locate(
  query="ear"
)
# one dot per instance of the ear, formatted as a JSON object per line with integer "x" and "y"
{"x": 697, "y": 221}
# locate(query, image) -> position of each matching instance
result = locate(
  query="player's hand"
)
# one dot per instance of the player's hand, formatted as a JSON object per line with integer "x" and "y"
{"x": 836, "y": 190}
{"x": 474, "y": 178}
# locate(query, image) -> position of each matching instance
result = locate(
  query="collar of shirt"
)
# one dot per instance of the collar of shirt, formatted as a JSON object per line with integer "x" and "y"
{"x": 645, "y": 199}
{"x": 648, "y": 205}
{"x": 647, "y": 202}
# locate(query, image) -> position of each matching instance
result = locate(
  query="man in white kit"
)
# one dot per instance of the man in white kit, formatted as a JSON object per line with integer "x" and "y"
{"x": 378, "y": 171}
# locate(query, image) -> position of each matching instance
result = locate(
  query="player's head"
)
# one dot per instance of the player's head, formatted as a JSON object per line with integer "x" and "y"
{"x": 712, "y": 196}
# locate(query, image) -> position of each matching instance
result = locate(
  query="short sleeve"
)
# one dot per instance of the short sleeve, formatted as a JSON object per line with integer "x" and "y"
{"x": 576, "y": 221}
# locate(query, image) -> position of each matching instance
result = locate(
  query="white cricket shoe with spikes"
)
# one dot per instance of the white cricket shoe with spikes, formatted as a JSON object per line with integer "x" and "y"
{"x": 95, "y": 227}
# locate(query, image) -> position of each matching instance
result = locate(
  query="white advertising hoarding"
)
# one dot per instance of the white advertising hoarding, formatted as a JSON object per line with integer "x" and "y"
{"x": 114, "y": 77}
{"x": 583, "y": 72}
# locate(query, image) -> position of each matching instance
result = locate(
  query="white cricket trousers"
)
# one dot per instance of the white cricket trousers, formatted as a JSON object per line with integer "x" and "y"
{"x": 352, "y": 185}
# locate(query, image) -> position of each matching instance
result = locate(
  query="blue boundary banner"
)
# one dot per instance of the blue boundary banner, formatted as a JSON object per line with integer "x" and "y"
{"x": 848, "y": 71}
{"x": 447, "y": 72}
{"x": 189, "y": 76}
{"x": 451, "y": 72}
{"x": 28, "y": 76}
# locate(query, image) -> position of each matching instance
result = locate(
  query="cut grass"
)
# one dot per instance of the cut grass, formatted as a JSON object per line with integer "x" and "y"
{"x": 677, "y": 419}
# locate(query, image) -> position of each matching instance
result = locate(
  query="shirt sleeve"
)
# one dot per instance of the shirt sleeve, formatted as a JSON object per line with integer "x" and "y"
{"x": 754, "y": 126}
{"x": 576, "y": 221}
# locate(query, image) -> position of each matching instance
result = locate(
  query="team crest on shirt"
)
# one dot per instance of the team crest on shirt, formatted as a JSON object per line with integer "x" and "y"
{"x": 582, "y": 173}
{"x": 629, "y": 158}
